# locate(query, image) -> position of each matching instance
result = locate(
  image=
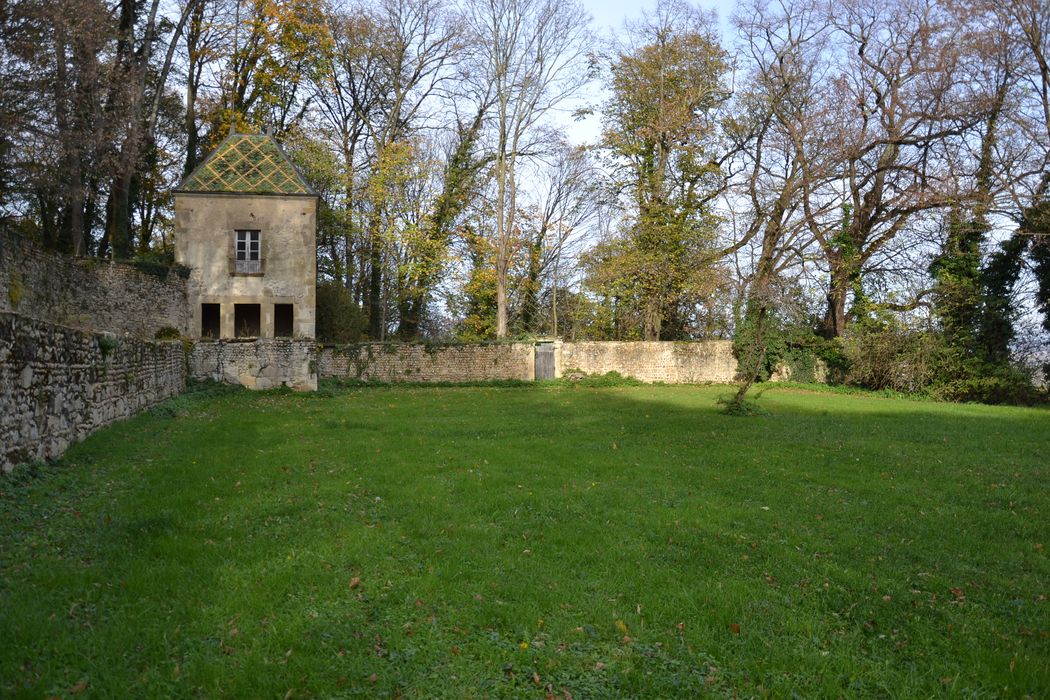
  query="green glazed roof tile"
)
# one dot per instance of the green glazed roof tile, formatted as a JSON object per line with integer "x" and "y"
{"x": 246, "y": 164}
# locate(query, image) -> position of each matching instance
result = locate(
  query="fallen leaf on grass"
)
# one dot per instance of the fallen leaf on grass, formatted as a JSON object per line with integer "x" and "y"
{"x": 734, "y": 628}
{"x": 78, "y": 688}
{"x": 355, "y": 582}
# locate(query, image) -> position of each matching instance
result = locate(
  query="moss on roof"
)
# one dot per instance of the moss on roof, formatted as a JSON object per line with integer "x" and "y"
{"x": 246, "y": 164}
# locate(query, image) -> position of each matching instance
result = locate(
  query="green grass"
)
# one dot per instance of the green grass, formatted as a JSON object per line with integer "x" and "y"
{"x": 514, "y": 542}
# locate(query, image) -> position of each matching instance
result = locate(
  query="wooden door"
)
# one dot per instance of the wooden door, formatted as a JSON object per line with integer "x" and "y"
{"x": 545, "y": 361}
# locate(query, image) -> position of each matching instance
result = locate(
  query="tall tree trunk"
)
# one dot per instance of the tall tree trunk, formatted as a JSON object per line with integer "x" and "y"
{"x": 652, "y": 318}
{"x": 761, "y": 298}
{"x": 375, "y": 279}
{"x": 410, "y": 311}
{"x": 757, "y": 354}
{"x": 72, "y": 221}
{"x": 501, "y": 305}
{"x": 189, "y": 122}
{"x": 119, "y": 214}
{"x": 531, "y": 293}
{"x": 838, "y": 291}
{"x": 349, "y": 147}
{"x": 502, "y": 244}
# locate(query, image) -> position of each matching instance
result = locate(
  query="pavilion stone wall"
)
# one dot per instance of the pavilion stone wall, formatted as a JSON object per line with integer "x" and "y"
{"x": 266, "y": 363}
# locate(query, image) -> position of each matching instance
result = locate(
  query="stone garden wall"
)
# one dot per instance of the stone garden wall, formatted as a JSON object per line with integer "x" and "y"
{"x": 674, "y": 363}
{"x": 266, "y": 363}
{"x": 88, "y": 293}
{"x": 656, "y": 361}
{"x": 59, "y": 384}
{"x": 418, "y": 362}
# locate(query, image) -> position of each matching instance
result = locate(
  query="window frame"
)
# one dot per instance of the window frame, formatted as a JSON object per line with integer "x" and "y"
{"x": 247, "y": 258}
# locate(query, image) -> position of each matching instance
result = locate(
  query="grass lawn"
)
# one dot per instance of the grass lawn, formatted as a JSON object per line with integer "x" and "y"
{"x": 534, "y": 542}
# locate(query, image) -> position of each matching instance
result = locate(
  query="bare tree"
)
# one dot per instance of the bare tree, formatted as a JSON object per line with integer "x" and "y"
{"x": 567, "y": 199}
{"x": 789, "y": 136}
{"x": 901, "y": 104}
{"x": 350, "y": 90}
{"x": 418, "y": 41}
{"x": 136, "y": 110}
{"x": 532, "y": 54}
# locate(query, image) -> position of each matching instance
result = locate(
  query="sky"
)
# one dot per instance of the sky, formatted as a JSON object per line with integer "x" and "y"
{"x": 608, "y": 18}
{"x": 610, "y": 14}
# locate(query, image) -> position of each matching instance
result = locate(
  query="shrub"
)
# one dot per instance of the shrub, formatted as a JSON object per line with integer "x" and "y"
{"x": 159, "y": 263}
{"x": 893, "y": 358}
{"x": 609, "y": 379}
{"x": 167, "y": 333}
{"x": 998, "y": 385}
{"x": 107, "y": 343}
{"x": 339, "y": 320}
{"x": 15, "y": 288}
{"x": 923, "y": 362}
{"x": 793, "y": 351}
{"x": 743, "y": 409}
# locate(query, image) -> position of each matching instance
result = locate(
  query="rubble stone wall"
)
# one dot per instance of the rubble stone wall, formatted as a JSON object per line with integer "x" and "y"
{"x": 419, "y": 362}
{"x": 90, "y": 294}
{"x": 265, "y": 363}
{"x": 60, "y": 384}
{"x": 655, "y": 361}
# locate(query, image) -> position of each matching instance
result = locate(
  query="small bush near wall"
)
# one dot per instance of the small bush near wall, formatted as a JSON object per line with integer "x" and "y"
{"x": 998, "y": 385}
{"x": 339, "y": 320}
{"x": 160, "y": 264}
{"x": 609, "y": 379}
{"x": 15, "y": 288}
{"x": 921, "y": 362}
{"x": 793, "y": 352}
{"x": 892, "y": 358}
{"x": 107, "y": 343}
